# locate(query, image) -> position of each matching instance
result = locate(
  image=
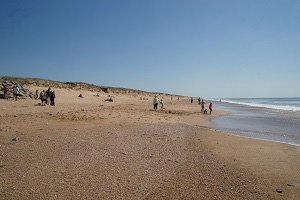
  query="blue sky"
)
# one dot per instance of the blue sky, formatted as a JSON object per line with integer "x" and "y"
{"x": 216, "y": 48}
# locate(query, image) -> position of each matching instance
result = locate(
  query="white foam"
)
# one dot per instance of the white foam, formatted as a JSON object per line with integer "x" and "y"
{"x": 276, "y": 107}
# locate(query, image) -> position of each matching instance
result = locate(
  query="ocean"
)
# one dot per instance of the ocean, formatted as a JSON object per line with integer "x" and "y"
{"x": 276, "y": 119}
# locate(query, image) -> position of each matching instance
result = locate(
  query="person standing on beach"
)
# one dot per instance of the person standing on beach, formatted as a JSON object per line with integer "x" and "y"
{"x": 43, "y": 97}
{"x": 202, "y": 105}
{"x": 48, "y": 96}
{"x": 16, "y": 92}
{"x": 155, "y": 102}
{"x": 192, "y": 99}
{"x": 199, "y": 100}
{"x": 210, "y": 108}
{"x": 52, "y": 97}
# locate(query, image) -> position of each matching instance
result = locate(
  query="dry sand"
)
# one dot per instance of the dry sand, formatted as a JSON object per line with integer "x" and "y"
{"x": 85, "y": 148}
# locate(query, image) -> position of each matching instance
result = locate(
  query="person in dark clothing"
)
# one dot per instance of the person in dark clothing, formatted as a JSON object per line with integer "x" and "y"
{"x": 192, "y": 99}
{"x": 210, "y": 108}
{"x": 52, "y": 97}
{"x": 48, "y": 96}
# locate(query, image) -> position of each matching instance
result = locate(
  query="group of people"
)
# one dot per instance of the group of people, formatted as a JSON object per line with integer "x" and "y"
{"x": 203, "y": 109}
{"x": 47, "y": 97}
{"x": 156, "y": 101}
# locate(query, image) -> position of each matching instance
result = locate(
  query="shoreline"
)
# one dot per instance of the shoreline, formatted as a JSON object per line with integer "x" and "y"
{"x": 264, "y": 124}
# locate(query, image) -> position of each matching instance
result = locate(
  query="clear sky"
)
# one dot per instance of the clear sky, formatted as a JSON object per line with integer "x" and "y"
{"x": 207, "y": 48}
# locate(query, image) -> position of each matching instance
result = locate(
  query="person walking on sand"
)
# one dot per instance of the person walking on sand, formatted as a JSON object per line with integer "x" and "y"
{"x": 192, "y": 99}
{"x": 210, "y": 108}
{"x": 155, "y": 102}
{"x": 16, "y": 92}
{"x": 199, "y": 100}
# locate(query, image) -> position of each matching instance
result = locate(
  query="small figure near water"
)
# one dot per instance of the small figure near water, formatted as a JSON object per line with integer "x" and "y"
{"x": 210, "y": 108}
{"x": 155, "y": 102}
{"x": 202, "y": 105}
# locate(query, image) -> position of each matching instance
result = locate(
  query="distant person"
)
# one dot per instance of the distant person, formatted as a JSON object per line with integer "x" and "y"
{"x": 178, "y": 98}
{"x": 162, "y": 103}
{"x": 16, "y": 92}
{"x": 43, "y": 97}
{"x": 52, "y": 97}
{"x": 199, "y": 100}
{"x": 210, "y": 108}
{"x": 48, "y": 96}
{"x": 155, "y": 102}
{"x": 202, "y": 105}
{"x": 192, "y": 99}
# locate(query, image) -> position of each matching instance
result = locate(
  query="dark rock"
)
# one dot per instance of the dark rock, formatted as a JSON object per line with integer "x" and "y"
{"x": 15, "y": 139}
{"x": 279, "y": 190}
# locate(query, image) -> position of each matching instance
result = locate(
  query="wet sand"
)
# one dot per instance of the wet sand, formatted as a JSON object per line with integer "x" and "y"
{"x": 85, "y": 148}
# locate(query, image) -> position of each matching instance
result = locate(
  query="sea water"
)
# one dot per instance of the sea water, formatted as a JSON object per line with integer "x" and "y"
{"x": 276, "y": 119}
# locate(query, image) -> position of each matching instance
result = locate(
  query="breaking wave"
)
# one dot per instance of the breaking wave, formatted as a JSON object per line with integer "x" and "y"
{"x": 270, "y": 106}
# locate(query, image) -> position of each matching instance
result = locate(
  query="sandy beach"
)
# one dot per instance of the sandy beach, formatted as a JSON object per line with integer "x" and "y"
{"x": 87, "y": 148}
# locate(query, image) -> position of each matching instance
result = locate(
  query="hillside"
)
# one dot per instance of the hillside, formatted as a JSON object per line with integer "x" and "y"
{"x": 75, "y": 86}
